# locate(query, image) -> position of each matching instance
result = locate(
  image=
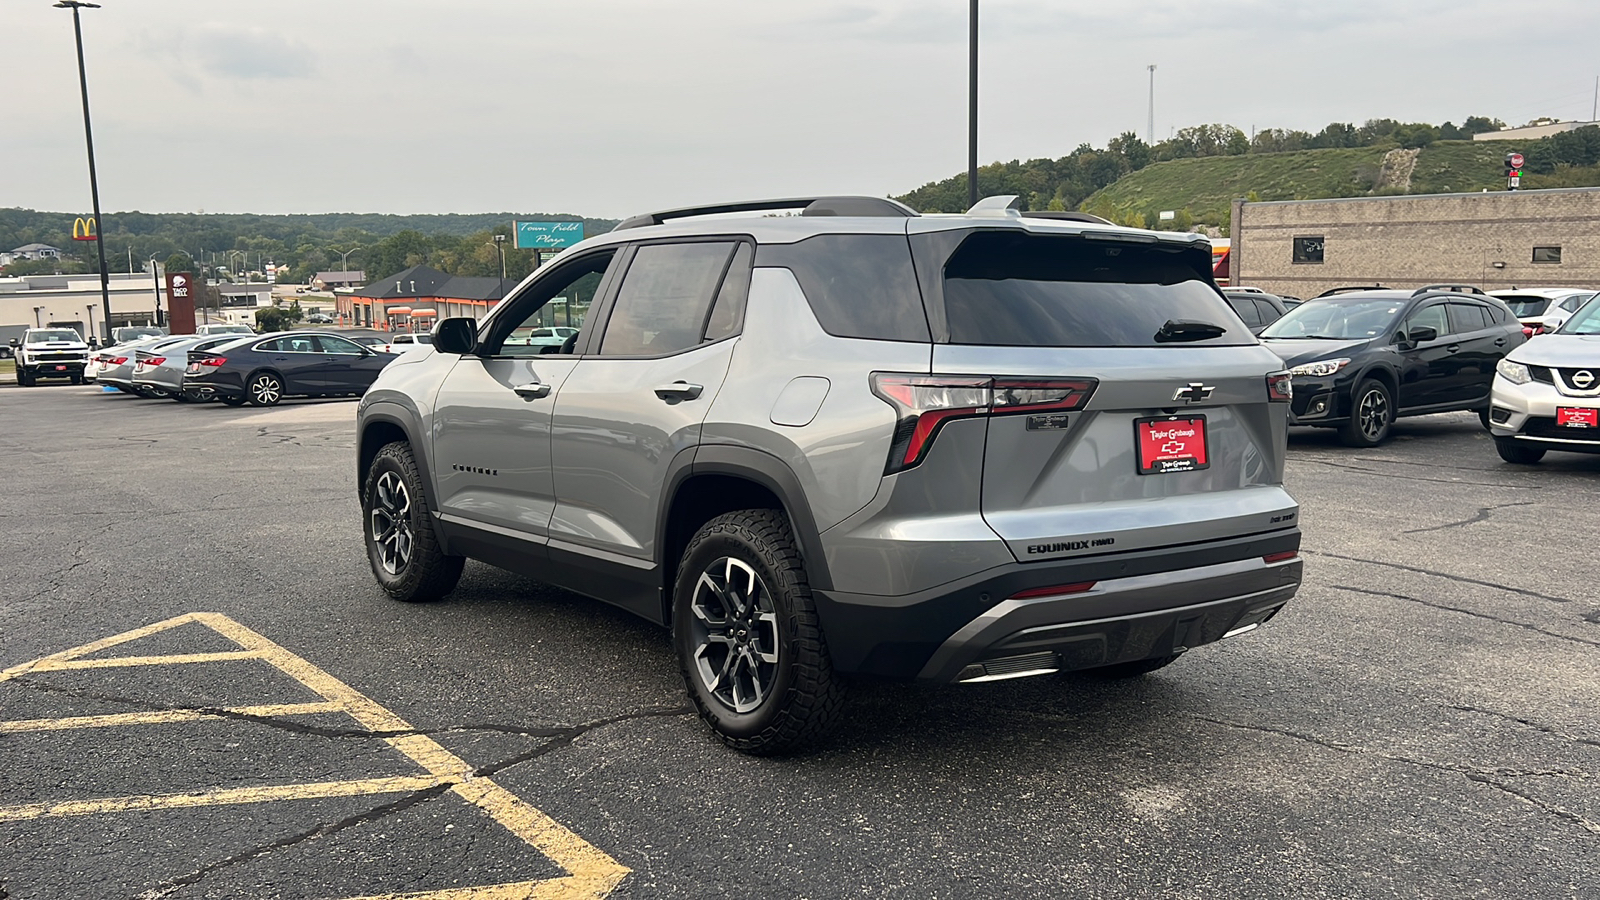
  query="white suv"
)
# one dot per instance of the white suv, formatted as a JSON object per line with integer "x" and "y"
{"x": 1546, "y": 392}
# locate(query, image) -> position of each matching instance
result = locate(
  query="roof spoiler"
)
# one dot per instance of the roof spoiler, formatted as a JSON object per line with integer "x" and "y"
{"x": 864, "y": 207}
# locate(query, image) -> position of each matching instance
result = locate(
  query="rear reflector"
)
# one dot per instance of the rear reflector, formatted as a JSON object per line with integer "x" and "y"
{"x": 1280, "y": 557}
{"x": 1059, "y": 590}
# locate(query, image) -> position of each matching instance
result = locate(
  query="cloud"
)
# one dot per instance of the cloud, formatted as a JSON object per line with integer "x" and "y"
{"x": 251, "y": 53}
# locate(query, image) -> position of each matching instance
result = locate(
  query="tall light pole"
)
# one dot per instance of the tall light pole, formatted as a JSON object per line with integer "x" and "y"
{"x": 972, "y": 107}
{"x": 155, "y": 283}
{"x": 1150, "y": 132}
{"x": 344, "y": 258}
{"x": 88, "y": 136}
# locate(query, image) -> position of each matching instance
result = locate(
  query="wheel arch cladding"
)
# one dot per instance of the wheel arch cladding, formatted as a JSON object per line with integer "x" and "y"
{"x": 723, "y": 479}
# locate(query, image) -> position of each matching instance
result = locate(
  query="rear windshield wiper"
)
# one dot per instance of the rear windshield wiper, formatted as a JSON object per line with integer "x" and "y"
{"x": 1188, "y": 330}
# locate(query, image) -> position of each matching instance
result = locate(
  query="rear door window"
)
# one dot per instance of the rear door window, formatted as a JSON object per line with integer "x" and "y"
{"x": 1246, "y": 308}
{"x": 665, "y": 298}
{"x": 1466, "y": 318}
{"x": 1010, "y": 289}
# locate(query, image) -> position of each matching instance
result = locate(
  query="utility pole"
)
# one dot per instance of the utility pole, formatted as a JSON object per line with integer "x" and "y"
{"x": 88, "y": 136}
{"x": 1150, "y": 131}
{"x": 972, "y": 108}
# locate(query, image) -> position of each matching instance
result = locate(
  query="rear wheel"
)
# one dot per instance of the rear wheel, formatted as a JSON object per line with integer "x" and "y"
{"x": 265, "y": 389}
{"x": 1513, "y": 451}
{"x": 1371, "y": 414}
{"x": 401, "y": 544}
{"x": 748, "y": 640}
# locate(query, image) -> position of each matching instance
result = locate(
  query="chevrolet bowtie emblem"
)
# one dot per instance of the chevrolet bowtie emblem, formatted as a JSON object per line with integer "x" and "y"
{"x": 1193, "y": 393}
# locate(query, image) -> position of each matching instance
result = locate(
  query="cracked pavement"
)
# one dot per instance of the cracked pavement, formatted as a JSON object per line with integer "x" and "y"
{"x": 1422, "y": 721}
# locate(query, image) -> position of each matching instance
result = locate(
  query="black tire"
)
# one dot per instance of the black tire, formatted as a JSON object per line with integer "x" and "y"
{"x": 23, "y": 380}
{"x": 753, "y": 655}
{"x": 1133, "y": 669}
{"x": 77, "y": 379}
{"x": 265, "y": 388}
{"x": 401, "y": 545}
{"x": 1371, "y": 414}
{"x": 1513, "y": 451}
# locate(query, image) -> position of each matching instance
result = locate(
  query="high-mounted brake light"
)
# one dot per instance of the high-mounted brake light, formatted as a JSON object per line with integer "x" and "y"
{"x": 1280, "y": 387}
{"x": 923, "y": 403}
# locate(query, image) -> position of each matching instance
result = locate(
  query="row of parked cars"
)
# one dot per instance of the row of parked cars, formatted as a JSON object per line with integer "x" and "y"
{"x": 244, "y": 367}
{"x": 1527, "y": 361}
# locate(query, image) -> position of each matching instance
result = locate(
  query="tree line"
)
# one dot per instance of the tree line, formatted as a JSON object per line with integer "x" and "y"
{"x": 1066, "y": 182}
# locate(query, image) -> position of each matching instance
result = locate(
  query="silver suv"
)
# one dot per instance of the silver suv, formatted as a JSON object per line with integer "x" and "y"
{"x": 853, "y": 442}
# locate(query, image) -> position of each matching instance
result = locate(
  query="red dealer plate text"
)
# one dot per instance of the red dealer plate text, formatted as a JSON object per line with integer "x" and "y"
{"x": 1171, "y": 444}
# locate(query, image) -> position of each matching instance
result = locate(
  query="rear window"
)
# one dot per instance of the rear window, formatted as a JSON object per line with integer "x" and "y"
{"x": 1527, "y": 306}
{"x": 1009, "y": 289}
{"x": 859, "y": 285}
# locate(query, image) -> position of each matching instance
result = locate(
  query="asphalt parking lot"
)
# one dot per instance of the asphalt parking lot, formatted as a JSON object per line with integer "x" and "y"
{"x": 205, "y": 695}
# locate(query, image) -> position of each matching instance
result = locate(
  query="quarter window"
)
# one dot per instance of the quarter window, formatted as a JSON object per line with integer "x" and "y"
{"x": 727, "y": 313}
{"x": 1308, "y": 249}
{"x": 1547, "y": 254}
{"x": 662, "y": 305}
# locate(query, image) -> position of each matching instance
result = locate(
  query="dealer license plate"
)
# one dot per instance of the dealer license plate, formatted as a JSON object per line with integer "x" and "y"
{"x": 1578, "y": 417}
{"x": 1171, "y": 444}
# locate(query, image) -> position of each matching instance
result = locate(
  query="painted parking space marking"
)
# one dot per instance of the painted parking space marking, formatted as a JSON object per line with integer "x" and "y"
{"x": 591, "y": 873}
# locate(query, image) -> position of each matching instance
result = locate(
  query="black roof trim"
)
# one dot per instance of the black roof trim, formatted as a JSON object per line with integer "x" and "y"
{"x": 1348, "y": 288}
{"x": 1450, "y": 288}
{"x": 869, "y": 207}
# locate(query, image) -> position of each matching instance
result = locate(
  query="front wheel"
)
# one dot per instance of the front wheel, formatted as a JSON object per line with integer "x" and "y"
{"x": 265, "y": 389}
{"x": 23, "y": 380}
{"x": 748, "y": 640}
{"x": 1371, "y": 414}
{"x": 1513, "y": 451}
{"x": 401, "y": 544}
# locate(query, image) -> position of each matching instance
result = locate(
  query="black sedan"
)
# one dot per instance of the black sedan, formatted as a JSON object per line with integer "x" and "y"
{"x": 264, "y": 369}
{"x": 1361, "y": 359}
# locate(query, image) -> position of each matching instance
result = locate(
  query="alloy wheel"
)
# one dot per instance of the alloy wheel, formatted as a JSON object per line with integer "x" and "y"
{"x": 1373, "y": 414}
{"x": 391, "y": 522}
{"x": 735, "y": 634}
{"x": 266, "y": 390}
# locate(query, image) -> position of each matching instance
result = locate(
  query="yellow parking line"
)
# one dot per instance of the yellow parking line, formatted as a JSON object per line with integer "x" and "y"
{"x": 264, "y": 794}
{"x": 117, "y": 662}
{"x": 164, "y": 716}
{"x": 591, "y": 873}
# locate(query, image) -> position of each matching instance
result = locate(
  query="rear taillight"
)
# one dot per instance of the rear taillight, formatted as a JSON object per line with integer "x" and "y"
{"x": 1280, "y": 387}
{"x": 116, "y": 360}
{"x": 153, "y": 361}
{"x": 923, "y": 403}
{"x": 1527, "y": 331}
{"x": 211, "y": 361}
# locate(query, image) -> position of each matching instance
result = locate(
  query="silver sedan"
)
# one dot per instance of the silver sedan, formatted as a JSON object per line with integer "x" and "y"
{"x": 161, "y": 368}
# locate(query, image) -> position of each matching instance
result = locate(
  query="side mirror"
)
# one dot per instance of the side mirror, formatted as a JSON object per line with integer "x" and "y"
{"x": 1422, "y": 335}
{"x": 13, "y": 342}
{"x": 457, "y": 335}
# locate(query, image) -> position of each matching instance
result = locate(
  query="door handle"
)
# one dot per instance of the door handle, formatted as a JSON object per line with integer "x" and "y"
{"x": 1454, "y": 348}
{"x": 1499, "y": 342}
{"x": 679, "y": 390}
{"x": 532, "y": 391}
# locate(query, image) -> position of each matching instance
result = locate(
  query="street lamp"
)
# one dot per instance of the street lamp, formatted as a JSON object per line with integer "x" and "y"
{"x": 500, "y": 247}
{"x": 88, "y": 136}
{"x": 972, "y": 108}
{"x": 37, "y": 322}
{"x": 155, "y": 283}
{"x": 90, "y": 308}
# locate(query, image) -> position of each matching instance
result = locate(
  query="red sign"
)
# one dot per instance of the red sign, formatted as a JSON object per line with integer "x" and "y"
{"x": 1175, "y": 444}
{"x": 1578, "y": 417}
{"x": 1516, "y": 160}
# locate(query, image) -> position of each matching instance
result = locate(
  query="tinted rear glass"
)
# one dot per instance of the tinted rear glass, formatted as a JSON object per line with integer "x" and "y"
{"x": 1527, "y": 306}
{"x": 1009, "y": 289}
{"x": 859, "y": 285}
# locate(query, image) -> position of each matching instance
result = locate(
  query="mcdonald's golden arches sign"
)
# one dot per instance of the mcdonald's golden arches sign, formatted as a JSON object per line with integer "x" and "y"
{"x": 83, "y": 229}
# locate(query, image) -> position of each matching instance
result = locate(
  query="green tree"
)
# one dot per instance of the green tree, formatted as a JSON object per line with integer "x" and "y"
{"x": 293, "y": 315}
{"x": 270, "y": 318}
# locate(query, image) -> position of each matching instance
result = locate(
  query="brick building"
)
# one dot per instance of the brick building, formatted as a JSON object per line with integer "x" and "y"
{"x": 1494, "y": 240}
{"x": 416, "y": 298}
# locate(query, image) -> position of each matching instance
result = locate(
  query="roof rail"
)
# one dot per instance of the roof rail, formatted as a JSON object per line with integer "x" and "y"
{"x": 1452, "y": 288}
{"x": 810, "y": 206}
{"x": 1348, "y": 288}
{"x": 1066, "y": 215}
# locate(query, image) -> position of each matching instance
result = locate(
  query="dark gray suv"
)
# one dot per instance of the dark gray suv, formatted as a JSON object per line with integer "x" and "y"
{"x": 853, "y": 442}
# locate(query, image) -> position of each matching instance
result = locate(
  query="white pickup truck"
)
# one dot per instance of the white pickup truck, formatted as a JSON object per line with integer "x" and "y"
{"x": 50, "y": 353}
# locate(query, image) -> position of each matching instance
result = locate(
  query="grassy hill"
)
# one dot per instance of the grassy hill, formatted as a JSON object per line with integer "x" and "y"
{"x": 1206, "y": 186}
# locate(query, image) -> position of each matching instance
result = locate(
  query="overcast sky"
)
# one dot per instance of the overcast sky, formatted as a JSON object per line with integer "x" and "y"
{"x": 614, "y": 107}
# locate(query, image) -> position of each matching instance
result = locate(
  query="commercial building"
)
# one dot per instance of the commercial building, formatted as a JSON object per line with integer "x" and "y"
{"x": 417, "y": 297}
{"x": 1498, "y": 239}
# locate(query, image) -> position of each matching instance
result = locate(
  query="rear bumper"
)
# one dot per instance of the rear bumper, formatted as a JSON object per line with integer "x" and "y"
{"x": 1143, "y": 604}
